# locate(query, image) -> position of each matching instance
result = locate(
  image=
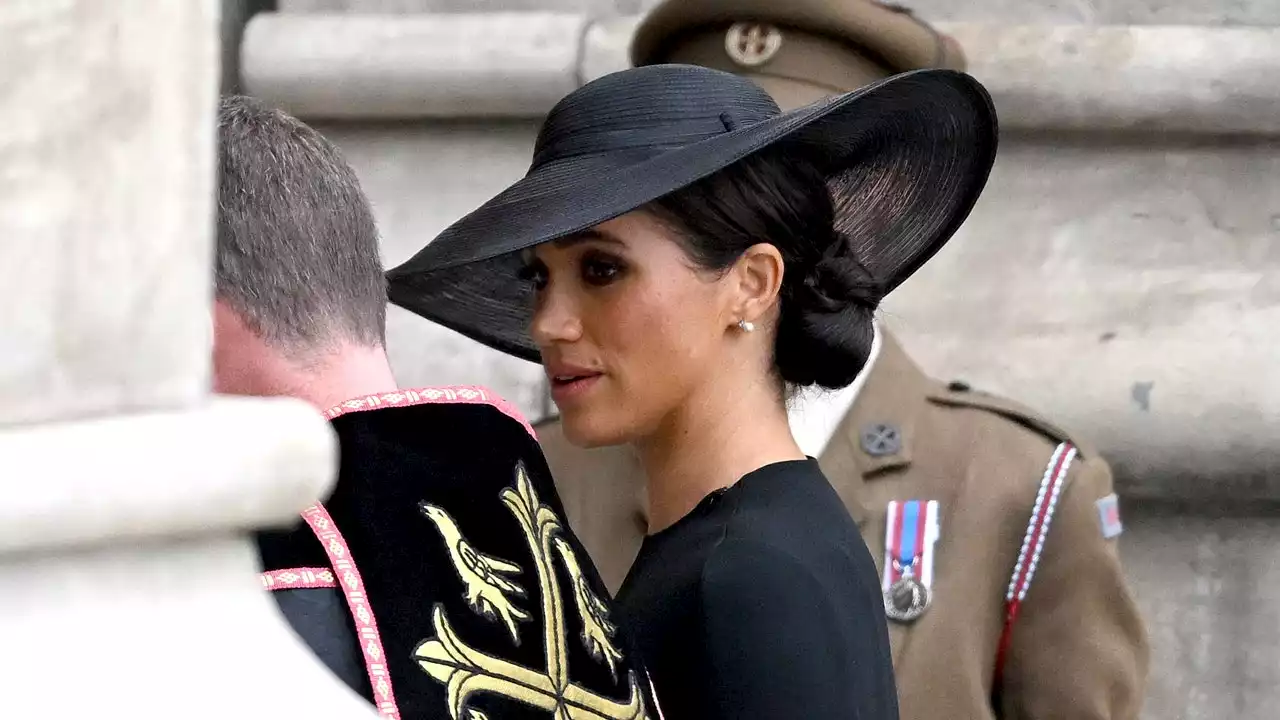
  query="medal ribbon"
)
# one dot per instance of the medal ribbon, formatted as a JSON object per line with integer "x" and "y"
{"x": 910, "y": 533}
{"x": 906, "y": 541}
{"x": 910, "y": 536}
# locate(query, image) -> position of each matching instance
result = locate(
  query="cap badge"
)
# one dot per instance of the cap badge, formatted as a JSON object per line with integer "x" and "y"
{"x": 751, "y": 44}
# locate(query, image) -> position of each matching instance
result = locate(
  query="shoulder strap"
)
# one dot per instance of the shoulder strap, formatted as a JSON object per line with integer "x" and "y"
{"x": 1051, "y": 486}
{"x": 960, "y": 394}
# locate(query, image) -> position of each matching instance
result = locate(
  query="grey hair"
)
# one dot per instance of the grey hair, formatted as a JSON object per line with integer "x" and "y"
{"x": 297, "y": 245}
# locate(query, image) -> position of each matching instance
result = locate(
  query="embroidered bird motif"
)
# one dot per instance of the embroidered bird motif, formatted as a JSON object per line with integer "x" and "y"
{"x": 487, "y": 589}
{"x": 597, "y": 630}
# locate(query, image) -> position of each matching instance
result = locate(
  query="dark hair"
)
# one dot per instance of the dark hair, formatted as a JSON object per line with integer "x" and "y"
{"x": 297, "y": 245}
{"x": 828, "y": 299}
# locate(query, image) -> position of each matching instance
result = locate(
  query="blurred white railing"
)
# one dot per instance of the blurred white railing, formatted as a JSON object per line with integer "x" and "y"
{"x": 128, "y": 584}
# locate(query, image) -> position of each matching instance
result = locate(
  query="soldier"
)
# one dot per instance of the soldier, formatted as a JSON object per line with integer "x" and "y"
{"x": 964, "y": 498}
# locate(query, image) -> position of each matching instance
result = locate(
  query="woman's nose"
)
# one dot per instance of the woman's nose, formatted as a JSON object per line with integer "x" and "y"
{"x": 555, "y": 320}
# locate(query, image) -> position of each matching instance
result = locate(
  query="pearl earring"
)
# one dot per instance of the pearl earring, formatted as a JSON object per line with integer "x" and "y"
{"x": 746, "y": 326}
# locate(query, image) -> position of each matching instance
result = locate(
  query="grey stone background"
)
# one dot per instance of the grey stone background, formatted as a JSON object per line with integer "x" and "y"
{"x": 1095, "y": 12}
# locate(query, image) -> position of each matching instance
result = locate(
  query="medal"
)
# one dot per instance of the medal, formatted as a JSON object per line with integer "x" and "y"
{"x": 910, "y": 535}
{"x": 907, "y": 598}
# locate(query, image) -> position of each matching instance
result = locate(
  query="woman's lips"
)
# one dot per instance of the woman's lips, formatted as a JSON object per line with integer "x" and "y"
{"x": 567, "y": 388}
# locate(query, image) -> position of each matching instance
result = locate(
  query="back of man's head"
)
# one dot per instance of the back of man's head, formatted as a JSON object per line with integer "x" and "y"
{"x": 297, "y": 245}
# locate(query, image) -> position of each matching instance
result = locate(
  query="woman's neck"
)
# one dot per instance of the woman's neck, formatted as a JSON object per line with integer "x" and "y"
{"x": 709, "y": 444}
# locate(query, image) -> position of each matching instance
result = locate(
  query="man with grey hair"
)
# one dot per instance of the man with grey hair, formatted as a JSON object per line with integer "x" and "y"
{"x": 300, "y": 302}
{"x": 441, "y": 551}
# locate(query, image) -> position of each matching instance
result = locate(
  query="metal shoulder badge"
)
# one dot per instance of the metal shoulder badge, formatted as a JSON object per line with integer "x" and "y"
{"x": 911, "y": 532}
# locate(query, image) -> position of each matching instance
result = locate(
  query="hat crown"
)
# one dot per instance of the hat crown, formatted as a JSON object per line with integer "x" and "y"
{"x": 642, "y": 112}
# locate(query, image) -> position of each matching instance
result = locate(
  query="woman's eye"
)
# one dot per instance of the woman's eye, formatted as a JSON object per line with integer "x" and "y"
{"x": 534, "y": 275}
{"x": 598, "y": 271}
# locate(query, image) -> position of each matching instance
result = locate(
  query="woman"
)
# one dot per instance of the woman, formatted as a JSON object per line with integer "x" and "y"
{"x": 692, "y": 256}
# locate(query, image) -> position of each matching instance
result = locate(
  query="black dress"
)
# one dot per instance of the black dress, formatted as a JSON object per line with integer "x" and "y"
{"x": 763, "y": 603}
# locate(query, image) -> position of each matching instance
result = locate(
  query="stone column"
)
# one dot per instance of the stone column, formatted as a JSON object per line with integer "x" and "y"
{"x": 127, "y": 581}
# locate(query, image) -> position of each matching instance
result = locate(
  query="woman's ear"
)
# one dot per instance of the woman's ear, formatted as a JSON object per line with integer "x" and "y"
{"x": 759, "y": 280}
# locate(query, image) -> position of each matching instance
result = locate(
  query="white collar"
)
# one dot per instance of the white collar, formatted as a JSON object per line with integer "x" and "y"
{"x": 816, "y": 415}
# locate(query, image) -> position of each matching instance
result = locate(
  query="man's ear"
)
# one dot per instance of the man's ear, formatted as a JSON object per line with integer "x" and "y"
{"x": 759, "y": 280}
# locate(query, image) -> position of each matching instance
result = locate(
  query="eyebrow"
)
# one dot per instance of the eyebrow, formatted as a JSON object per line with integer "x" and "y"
{"x": 589, "y": 235}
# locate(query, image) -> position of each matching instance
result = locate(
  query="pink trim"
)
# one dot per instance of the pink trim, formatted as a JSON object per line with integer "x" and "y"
{"x": 298, "y": 579}
{"x": 353, "y": 589}
{"x": 455, "y": 394}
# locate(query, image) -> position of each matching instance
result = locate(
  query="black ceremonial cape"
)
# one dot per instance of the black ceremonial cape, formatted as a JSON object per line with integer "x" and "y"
{"x": 468, "y": 582}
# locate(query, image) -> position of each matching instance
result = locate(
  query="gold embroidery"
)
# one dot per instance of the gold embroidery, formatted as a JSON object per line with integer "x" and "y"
{"x": 597, "y": 630}
{"x": 465, "y": 671}
{"x": 486, "y": 588}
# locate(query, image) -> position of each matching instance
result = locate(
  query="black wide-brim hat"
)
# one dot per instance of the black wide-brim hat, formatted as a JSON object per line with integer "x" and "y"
{"x": 905, "y": 159}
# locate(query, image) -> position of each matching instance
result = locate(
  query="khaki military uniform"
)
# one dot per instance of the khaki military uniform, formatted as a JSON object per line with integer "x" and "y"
{"x": 1077, "y": 648}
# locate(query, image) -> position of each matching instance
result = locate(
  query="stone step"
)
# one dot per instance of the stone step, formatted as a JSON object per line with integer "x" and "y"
{"x": 1057, "y": 12}
{"x": 1204, "y": 80}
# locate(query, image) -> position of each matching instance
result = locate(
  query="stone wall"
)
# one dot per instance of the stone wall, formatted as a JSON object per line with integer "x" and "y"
{"x": 1014, "y": 12}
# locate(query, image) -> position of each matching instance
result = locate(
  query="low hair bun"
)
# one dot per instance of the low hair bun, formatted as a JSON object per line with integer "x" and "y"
{"x": 837, "y": 280}
{"x": 826, "y": 327}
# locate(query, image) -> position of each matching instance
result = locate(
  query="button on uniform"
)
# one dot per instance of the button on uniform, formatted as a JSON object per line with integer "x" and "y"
{"x": 881, "y": 439}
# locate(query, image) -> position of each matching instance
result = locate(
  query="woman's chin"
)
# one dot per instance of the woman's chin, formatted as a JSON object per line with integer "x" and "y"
{"x": 587, "y": 430}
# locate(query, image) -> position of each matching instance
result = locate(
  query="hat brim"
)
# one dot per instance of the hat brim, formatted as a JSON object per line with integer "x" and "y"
{"x": 906, "y": 159}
